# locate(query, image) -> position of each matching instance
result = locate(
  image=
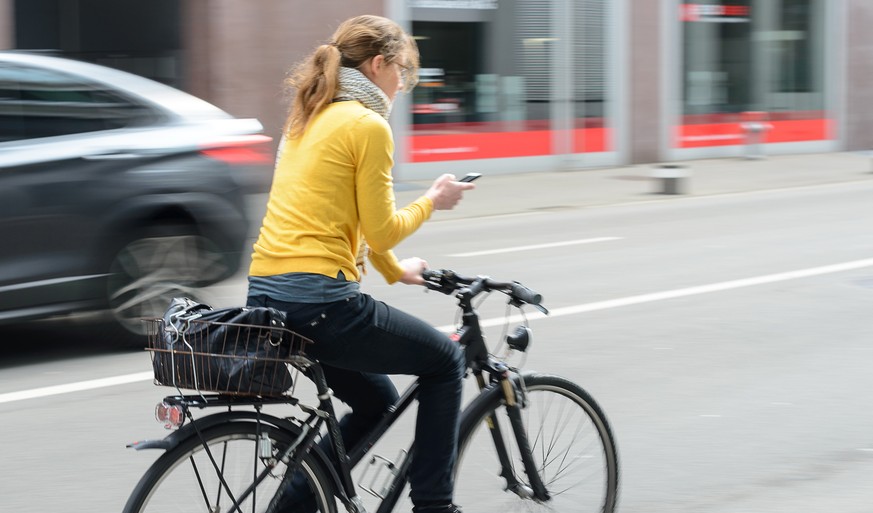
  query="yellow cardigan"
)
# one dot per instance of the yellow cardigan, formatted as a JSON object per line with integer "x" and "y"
{"x": 332, "y": 188}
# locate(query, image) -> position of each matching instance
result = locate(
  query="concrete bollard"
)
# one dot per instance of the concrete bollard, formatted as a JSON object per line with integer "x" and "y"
{"x": 755, "y": 128}
{"x": 671, "y": 178}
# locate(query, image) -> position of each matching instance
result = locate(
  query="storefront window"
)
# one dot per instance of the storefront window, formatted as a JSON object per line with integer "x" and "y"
{"x": 752, "y": 60}
{"x": 451, "y": 62}
{"x": 590, "y": 80}
{"x": 489, "y": 80}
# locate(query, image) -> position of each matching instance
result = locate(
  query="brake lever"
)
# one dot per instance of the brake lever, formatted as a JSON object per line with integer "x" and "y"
{"x": 438, "y": 287}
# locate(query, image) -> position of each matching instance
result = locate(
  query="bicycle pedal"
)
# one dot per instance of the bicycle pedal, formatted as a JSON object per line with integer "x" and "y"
{"x": 384, "y": 472}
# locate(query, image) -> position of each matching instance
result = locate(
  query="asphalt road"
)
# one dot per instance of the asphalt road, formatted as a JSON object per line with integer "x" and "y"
{"x": 728, "y": 338}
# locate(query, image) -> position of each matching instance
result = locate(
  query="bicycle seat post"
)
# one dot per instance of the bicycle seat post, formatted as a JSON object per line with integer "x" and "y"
{"x": 342, "y": 461}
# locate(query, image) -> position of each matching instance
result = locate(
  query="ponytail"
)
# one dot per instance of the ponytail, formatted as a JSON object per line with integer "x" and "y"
{"x": 316, "y": 82}
{"x": 357, "y": 39}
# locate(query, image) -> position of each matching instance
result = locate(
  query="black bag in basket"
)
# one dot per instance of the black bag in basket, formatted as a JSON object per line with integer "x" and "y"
{"x": 217, "y": 350}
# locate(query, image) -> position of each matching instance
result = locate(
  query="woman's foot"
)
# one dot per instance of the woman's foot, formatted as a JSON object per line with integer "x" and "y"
{"x": 441, "y": 508}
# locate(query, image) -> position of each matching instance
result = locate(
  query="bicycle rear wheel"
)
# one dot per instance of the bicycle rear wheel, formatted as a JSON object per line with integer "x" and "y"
{"x": 185, "y": 478}
{"x": 571, "y": 444}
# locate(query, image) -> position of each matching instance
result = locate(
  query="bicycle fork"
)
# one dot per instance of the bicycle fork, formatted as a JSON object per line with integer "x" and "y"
{"x": 537, "y": 489}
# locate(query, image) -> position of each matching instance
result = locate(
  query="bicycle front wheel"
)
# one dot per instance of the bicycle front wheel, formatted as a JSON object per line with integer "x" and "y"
{"x": 191, "y": 478}
{"x": 570, "y": 441}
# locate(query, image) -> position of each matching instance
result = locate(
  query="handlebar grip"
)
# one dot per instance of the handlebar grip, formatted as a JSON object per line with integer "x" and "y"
{"x": 525, "y": 294}
{"x": 430, "y": 275}
{"x": 439, "y": 280}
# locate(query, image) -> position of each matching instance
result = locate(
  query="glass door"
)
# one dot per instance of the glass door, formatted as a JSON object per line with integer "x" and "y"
{"x": 512, "y": 85}
{"x": 752, "y": 61}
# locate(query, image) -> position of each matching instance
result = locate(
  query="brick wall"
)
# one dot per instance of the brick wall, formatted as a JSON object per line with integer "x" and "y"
{"x": 237, "y": 57}
{"x": 859, "y": 76}
{"x": 646, "y": 70}
{"x": 7, "y": 24}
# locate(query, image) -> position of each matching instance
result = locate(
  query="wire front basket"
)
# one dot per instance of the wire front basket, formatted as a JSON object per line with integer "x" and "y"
{"x": 228, "y": 358}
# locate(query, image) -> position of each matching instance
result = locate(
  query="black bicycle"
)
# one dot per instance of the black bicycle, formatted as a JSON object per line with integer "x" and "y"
{"x": 528, "y": 441}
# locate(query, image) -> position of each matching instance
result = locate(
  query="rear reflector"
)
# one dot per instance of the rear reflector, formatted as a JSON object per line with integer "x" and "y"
{"x": 170, "y": 415}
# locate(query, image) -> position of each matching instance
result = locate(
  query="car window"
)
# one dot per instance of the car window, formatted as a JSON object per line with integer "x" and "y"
{"x": 37, "y": 102}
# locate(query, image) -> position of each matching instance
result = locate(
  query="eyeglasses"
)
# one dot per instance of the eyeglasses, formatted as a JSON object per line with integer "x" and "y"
{"x": 405, "y": 72}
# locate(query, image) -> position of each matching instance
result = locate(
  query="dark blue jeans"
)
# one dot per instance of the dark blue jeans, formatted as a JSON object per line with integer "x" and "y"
{"x": 360, "y": 340}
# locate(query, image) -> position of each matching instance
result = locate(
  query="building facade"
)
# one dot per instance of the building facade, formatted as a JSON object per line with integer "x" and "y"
{"x": 518, "y": 85}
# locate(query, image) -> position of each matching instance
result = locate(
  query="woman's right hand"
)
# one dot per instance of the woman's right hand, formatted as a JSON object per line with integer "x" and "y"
{"x": 446, "y": 192}
{"x": 412, "y": 269}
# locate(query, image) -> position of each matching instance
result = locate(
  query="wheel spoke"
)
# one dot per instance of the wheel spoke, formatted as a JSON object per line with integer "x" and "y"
{"x": 575, "y": 436}
{"x": 201, "y": 485}
{"x": 233, "y": 474}
{"x": 220, "y": 489}
{"x": 572, "y": 449}
{"x": 559, "y": 423}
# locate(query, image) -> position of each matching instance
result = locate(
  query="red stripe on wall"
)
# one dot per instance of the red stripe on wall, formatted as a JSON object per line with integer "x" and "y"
{"x": 591, "y": 140}
{"x": 489, "y": 145}
{"x": 431, "y": 148}
{"x": 728, "y": 134}
{"x": 801, "y": 130}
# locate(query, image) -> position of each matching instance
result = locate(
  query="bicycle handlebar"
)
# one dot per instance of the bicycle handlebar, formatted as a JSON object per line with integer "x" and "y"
{"x": 448, "y": 282}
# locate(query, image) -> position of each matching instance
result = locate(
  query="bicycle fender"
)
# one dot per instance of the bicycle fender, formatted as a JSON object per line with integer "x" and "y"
{"x": 163, "y": 443}
{"x": 204, "y": 423}
{"x": 173, "y": 439}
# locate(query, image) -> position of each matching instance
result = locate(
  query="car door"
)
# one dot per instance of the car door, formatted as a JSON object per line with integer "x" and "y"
{"x": 54, "y": 132}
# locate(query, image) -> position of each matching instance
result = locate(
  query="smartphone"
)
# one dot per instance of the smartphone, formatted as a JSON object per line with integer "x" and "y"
{"x": 470, "y": 177}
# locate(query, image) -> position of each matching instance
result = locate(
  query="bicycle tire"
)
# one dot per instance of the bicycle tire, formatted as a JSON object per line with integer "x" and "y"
{"x": 172, "y": 483}
{"x": 566, "y": 429}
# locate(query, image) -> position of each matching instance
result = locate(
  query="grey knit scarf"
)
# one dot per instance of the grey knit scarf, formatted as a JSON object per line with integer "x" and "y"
{"x": 354, "y": 85}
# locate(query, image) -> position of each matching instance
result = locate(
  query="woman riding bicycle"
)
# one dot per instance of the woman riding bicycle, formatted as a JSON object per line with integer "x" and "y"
{"x": 332, "y": 206}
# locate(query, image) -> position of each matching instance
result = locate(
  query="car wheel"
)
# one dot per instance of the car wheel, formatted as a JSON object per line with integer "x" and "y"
{"x": 149, "y": 271}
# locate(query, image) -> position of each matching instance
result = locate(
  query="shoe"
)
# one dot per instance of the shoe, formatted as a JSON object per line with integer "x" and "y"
{"x": 293, "y": 496}
{"x": 447, "y": 508}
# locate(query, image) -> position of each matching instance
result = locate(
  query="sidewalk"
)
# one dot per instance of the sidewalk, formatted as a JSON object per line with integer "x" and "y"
{"x": 506, "y": 194}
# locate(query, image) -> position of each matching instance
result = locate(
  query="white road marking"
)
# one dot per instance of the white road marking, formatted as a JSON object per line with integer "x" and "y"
{"x": 75, "y": 387}
{"x": 677, "y": 293}
{"x": 535, "y": 246}
{"x": 558, "y": 312}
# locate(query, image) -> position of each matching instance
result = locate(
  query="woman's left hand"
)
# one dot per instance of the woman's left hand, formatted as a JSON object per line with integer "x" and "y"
{"x": 412, "y": 268}
{"x": 446, "y": 192}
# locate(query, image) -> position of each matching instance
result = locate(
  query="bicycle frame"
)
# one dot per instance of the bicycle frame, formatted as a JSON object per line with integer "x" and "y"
{"x": 500, "y": 380}
{"x": 469, "y": 336}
